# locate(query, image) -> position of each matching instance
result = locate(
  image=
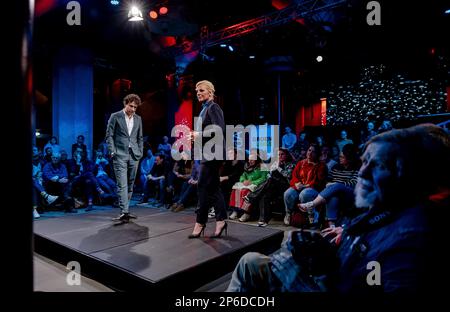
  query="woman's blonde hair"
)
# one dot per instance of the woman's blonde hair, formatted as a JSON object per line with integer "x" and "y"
{"x": 208, "y": 85}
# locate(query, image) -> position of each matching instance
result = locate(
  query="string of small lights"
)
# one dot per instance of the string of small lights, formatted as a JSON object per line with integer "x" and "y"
{"x": 377, "y": 97}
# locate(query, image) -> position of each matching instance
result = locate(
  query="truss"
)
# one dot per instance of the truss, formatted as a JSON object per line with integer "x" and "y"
{"x": 307, "y": 8}
{"x": 292, "y": 12}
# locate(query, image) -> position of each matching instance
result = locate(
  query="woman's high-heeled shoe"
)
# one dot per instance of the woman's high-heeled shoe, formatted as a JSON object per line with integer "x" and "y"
{"x": 224, "y": 228}
{"x": 201, "y": 233}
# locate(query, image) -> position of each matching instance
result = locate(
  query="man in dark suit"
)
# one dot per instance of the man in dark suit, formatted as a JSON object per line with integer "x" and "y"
{"x": 125, "y": 144}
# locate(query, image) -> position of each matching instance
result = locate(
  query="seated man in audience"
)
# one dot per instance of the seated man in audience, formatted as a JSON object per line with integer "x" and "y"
{"x": 79, "y": 145}
{"x": 146, "y": 167}
{"x": 395, "y": 246}
{"x": 157, "y": 178}
{"x": 187, "y": 189}
{"x": 83, "y": 182}
{"x": 107, "y": 186}
{"x": 56, "y": 181}
{"x": 38, "y": 188}
{"x": 180, "y": 173}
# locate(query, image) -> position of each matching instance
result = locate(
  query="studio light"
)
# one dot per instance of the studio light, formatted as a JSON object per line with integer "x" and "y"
{"x": 153, "y": 14}
{"x": 163, "y": 10}
{"x": 135, "y": 15}
{"x": 319, "y": 58}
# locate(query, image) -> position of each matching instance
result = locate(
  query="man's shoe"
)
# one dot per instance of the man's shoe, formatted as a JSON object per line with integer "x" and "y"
{"x": 70, "y": 210}
{"x": 124, "y": 217}
{"x": 262, "y": 224}
{"x": 132, "y": 216}
{"x": 89, "y": 208}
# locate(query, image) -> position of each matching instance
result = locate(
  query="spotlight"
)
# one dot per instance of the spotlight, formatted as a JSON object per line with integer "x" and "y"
{"x": 319, "y": 58}
{"x": 163, "y": 10}
{"x": 251, "y": 56}
{"x": 114, "y": 2}
{"x": 38, "y": 134}
{"x": 135, "y": 15}
{"x": 447, "y": 11}
{"x": 153, "y": 14}
{"x": 223, "y": 45}
{"x": 230, "y": 48}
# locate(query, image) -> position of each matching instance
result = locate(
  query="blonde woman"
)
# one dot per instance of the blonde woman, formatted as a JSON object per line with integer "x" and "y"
{"x": 209, "y": 193}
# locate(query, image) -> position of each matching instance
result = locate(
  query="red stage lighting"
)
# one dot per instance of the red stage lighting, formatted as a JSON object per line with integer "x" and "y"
{"x": 153, "y": 14}
{"x": 163, "y": 10}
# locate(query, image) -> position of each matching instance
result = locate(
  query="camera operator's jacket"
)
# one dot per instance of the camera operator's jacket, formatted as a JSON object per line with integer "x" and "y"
{"x": 402, "y": 243}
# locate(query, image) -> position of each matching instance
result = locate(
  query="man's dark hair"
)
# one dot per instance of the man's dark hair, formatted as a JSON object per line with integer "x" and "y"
{"x": 132, "y": 98}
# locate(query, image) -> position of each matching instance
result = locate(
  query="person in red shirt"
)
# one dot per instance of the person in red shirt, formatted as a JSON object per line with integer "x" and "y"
{"x": 308, "y": 179}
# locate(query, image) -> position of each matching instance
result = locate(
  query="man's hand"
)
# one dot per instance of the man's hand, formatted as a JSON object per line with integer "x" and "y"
{"x": 247, "y": 182}
{"x": 54, "y": 179}
{"x": 333, "y": 231}
{"x": 63, "y": 180}
{"x": 223, "y": 178}
{"x": 298, "y": 185}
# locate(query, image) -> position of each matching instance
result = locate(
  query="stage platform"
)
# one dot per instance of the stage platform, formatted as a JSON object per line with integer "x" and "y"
{"x": 152, "y": 252}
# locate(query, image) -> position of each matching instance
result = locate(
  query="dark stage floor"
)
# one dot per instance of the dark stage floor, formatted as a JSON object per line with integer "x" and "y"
{"x": 152, "y": 252}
